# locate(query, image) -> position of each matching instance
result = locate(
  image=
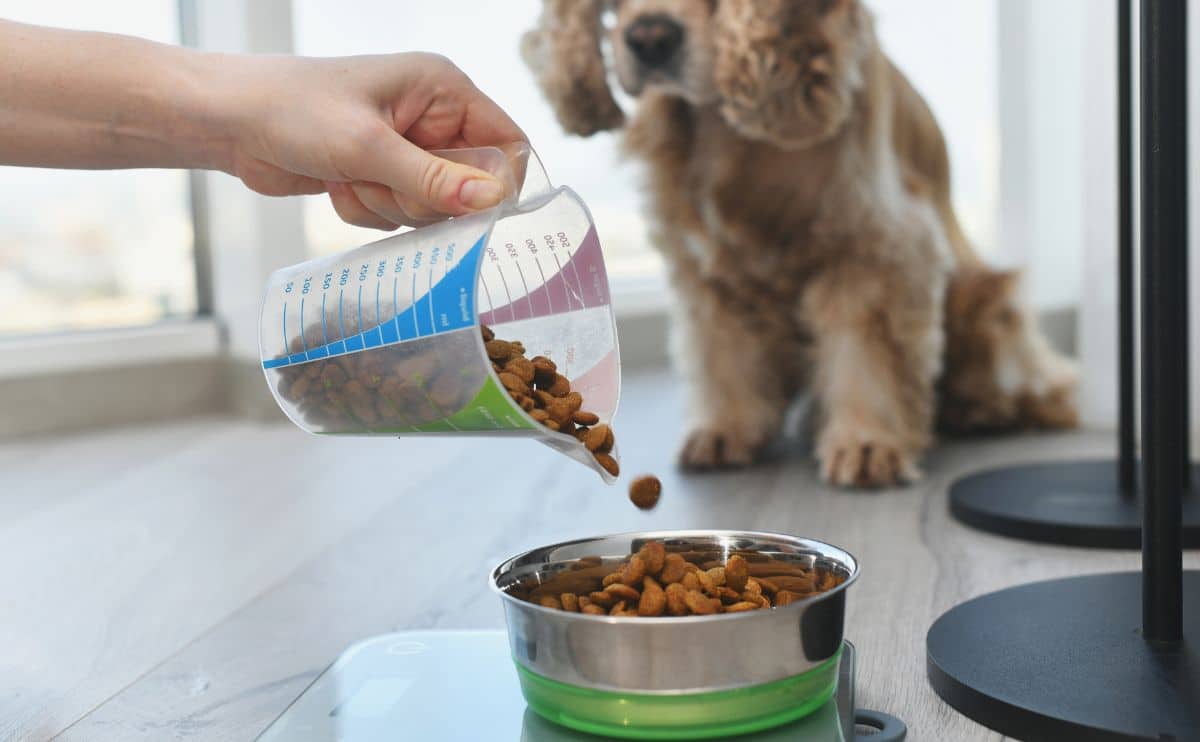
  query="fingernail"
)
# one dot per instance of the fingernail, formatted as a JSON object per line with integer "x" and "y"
{"x": 481, "y": 194}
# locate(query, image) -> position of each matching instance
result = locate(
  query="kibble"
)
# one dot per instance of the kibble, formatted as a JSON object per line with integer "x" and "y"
{"x": 656, "y": 582}
{"x": 546, "y": 395}
{"x": 609, "y": 463}
{"x": 645, "y": 491}
{"x": 391, "y": 388}
{"x": 405, "y": 386}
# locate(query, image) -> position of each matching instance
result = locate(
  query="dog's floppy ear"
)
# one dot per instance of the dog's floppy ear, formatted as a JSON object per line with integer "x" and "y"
{"x": 788, "y": 70}
{"x": 564, "y": 53}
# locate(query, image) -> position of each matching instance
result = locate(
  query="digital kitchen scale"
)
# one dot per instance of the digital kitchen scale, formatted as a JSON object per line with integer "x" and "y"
{"x": 461, "y": 686}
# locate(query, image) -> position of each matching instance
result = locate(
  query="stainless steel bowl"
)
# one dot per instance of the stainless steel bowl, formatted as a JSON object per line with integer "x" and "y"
{"x": 674, "y": 655}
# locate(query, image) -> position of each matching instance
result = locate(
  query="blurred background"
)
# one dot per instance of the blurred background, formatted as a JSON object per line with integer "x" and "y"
{"x": 102, "y": 269}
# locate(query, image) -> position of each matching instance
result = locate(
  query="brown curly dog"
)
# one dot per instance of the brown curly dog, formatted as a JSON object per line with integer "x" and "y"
{"x": 801, "y": 190}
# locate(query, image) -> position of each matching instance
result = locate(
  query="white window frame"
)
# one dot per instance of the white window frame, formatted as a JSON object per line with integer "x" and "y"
{"x": 83, "y": 350}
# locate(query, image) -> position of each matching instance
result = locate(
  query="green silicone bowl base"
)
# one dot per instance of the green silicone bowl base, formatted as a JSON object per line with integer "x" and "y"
{"x": 673, "y": 717}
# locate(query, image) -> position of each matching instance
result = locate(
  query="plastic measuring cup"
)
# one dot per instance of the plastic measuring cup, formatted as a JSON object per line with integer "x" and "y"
{"x": 384, "y": 339}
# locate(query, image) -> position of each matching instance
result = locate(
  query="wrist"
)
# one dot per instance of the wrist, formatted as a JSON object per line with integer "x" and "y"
{"x": 216, "y": 110}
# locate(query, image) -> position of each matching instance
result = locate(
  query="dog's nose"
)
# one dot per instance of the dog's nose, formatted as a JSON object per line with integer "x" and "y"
{"x": 654, "y": 39}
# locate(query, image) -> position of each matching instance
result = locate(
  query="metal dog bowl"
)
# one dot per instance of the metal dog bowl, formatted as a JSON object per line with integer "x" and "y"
{"x": 690, "y": 677}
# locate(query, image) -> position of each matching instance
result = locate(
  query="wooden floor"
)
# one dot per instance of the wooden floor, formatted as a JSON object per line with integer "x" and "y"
{"x": 187, "y": 581}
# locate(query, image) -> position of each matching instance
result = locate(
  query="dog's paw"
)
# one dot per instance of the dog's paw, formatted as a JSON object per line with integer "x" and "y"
{"x": 713, "y": 448}
{"x": 858, "y": 459}
{"x": 1050, "y": 403}
{"x": 1054, "y": 410}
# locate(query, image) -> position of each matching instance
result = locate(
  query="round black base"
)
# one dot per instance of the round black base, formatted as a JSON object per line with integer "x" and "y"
{"x": 1076, "y": 503}
{"x": 1064, "y": 660}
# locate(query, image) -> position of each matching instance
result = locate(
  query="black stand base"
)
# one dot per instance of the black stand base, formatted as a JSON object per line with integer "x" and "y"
{"x": 1064, "y": 660}
{"x": 1076, "y": 503}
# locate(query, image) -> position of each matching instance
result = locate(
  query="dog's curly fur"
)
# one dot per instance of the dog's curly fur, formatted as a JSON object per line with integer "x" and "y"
{"x": 801, "y": 189}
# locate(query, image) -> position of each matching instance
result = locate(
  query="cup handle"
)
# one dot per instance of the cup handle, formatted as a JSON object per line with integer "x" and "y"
{"x": 516, "y": 165}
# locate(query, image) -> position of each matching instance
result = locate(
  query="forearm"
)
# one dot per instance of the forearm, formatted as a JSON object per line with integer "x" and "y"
{"x": 91, "y": 100}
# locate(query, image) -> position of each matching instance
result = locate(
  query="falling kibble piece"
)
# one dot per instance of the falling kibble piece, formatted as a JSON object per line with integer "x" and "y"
{"x": 645, "y": 491}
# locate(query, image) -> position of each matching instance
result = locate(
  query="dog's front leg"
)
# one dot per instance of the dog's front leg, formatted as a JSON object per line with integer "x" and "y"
{"x": 738, "y": 387}
{"x": 878, "y": 349}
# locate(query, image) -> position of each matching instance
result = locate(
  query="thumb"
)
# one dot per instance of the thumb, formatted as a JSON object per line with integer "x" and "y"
{"x": 434, "y": 183}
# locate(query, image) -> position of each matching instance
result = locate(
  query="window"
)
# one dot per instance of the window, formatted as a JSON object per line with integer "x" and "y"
{"x": 81, "y": 250}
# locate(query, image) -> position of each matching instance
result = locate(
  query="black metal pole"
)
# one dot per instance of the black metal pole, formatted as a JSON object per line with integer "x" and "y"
{"x": 1126, "y": 350}
{"x": 1185, "y": 406}
{"x": 1164, "y": 289}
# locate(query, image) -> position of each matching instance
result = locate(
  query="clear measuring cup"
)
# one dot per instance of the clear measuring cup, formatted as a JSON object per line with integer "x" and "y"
{"x": 385, "y": 339}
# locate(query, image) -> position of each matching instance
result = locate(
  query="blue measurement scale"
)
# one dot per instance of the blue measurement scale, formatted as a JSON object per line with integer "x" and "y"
{"x": 440, "y": 298}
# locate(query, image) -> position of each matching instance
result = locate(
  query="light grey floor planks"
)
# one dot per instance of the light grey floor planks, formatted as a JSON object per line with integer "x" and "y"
{"x": 192, "y": 593}
{"x": 116, "y": 574}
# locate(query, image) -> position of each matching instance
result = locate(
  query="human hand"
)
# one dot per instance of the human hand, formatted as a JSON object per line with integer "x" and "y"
{"x": 359, "y": 129}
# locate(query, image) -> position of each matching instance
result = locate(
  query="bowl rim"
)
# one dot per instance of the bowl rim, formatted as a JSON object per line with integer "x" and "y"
{"x": 798, "y": 605}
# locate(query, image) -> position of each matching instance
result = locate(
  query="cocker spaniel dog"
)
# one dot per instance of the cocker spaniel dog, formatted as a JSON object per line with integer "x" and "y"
{"x": 800, "y": 188}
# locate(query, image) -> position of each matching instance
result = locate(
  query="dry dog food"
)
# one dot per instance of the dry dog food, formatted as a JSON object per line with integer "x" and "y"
{"x": 645, "y": 491}
{"x": 537, "y": 386}
{"x": 656, "y": 582}
{"x": 404, "y": 386}
{"x": 397, "y": 387}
